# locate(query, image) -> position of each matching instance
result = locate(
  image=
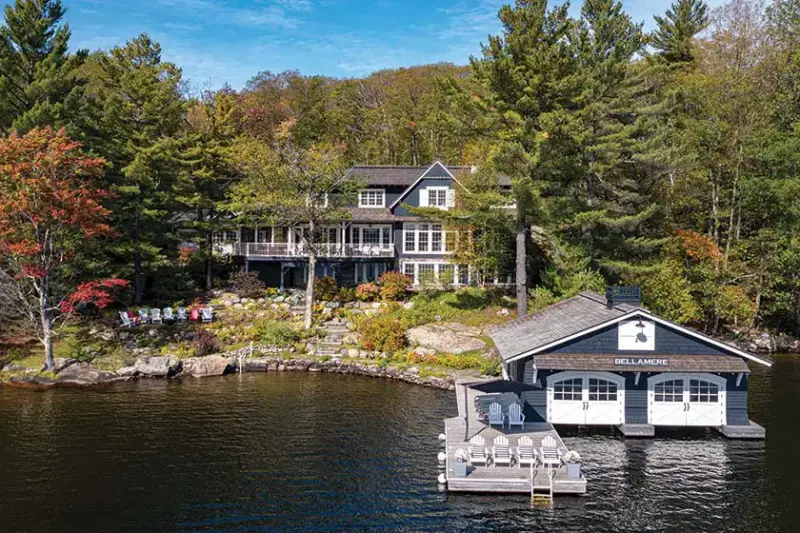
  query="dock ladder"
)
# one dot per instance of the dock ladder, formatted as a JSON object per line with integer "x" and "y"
{"x": 542, "y": 497}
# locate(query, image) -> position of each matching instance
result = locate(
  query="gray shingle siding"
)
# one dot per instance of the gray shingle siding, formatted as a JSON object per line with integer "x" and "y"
{"x": 412, "y": 198}
{"x": 537, "y": 400}
{"x": 635, "y": 400}
{"x": 737, "y": 402}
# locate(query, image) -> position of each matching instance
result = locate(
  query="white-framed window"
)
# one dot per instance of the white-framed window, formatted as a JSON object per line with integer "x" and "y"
{"x": 366, "y": 272}
{"x": 372, "y": 198}
{"x": 371, "y": 236}
{"x": 439, "y": 197}
{"x": 444, "y": 273}
{"x": 380, "y": 236}
{"x": 220, "y": 237}
{"x": 426, "y": 238}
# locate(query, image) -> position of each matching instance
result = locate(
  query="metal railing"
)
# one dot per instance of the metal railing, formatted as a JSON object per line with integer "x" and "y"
{"x": 255, "y": 249}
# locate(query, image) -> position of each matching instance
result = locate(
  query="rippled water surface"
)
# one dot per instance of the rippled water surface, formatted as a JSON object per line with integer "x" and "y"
{"x": 321, "y": 453}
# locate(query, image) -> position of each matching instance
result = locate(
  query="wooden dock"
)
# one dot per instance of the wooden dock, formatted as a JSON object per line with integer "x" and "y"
{"x": 508, "y": 479}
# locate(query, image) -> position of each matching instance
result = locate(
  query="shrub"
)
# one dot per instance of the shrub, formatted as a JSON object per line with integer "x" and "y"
{"x": 346, "y": 294}
{"x": 393, "y": 285}
{"x": 367, "y": 292}
{"x": 276, "y": 333}
{"x": 326, "y": 289}
{"x": 205, "y": 343}
{"x": 382, "y": 333}
{"x": 247, "y": 284}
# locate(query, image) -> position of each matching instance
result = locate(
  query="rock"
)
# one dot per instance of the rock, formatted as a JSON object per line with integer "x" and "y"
{"x": 101, "y": 333}
{"x": 127, "y": 371}
{"x": 238, "y": 306}
{"x": 351, "y": 338}
{"x": 62, "y": 362}
{"x": 421, "y": 350}
{"x": 212, "y": 365}
{"x": 152, "y": 332}
{"x": 279, "y": 299}
{"x": 370, "y": 312}
{"x": 160, "y": 367}
{"x": 446, "y": 337}
{"x": 327, "y": 311}
{"x": 84, "y": 374}
{"x": 408, "y": 305}
{"x": 503, "y": 312}
{"x": 14, "y": 367}
{"x": 413, "y": 370}
{"x": 377, "y": 305}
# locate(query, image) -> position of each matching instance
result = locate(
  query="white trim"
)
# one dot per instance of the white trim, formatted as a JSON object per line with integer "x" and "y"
{"x": 422, "y": 177}
{"x": 383, "y": 199}
{"x": 427, "y": 190}
{"x": 618, "y": 380}
{"x": 417, "y": 232}
{"x": 645, "y": 314}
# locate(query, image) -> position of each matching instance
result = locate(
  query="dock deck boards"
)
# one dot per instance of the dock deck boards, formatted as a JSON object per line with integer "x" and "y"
{"x": 459, "y": 430}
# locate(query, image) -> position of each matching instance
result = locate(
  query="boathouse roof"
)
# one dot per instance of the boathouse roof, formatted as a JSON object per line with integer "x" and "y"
{"x": 589, "y": 311}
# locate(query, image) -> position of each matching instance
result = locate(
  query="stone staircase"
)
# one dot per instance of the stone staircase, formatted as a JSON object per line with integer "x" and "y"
{"x": 331, "y": 344}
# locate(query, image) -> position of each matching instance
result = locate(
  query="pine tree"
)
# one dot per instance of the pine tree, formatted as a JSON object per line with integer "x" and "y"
{"x": 39, "y": 80}
{"x": 142, "y": 118}
{"x": 677, "y": 29}
{"x": 529, "y": 73}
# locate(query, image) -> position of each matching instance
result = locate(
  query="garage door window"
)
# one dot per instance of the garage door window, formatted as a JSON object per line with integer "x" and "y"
{"x": 669, "y": 391}
{"x": 569, "y": 390}
{"x": 703, "y": 391}
{"x": 601, "y": 390}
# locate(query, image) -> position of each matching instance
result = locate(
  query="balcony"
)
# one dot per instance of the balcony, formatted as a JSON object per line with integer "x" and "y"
{"x": 298, "y": 251}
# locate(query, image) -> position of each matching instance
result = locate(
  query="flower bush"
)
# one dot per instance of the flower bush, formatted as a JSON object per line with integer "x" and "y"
{"x": 382, "y": 333}
{"x": 572, "y": 456}
{"x": 276, "y": 332}
{"x": 393, "y": 285}
{"x": 205, "y": 343}
{"x": 367, "y": 292}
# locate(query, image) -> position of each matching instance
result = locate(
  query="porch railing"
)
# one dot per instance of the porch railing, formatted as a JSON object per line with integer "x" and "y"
{"x": 295, "y": 250}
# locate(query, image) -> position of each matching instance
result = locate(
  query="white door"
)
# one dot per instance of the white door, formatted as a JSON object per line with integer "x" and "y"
{"x": 565, "y": 401}
{"x": 705, "y": 402}
{"x": 585, "y": 399}
{"x": 665, "y": 399}
{"x": 604, "y": 404}
{"x": 687, "y": 400}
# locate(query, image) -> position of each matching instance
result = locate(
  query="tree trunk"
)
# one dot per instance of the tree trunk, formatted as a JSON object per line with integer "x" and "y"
{"x": 47, "y": 323}
{"x": 209, "y": 260}
{"x": 138, "y": 277}
{"x": 312, "y": 271}
{"x": 522, "y": 260}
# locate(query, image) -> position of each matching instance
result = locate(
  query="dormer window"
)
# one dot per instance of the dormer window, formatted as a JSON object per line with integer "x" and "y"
{"x": 439, "y": 197}
{"x": 372, "y": 198}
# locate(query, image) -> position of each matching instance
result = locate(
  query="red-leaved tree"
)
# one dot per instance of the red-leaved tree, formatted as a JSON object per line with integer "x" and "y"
{"x": 49, "y": 210}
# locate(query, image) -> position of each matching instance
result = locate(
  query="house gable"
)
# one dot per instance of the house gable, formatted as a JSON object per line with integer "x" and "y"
{"x": 436, "y": 175}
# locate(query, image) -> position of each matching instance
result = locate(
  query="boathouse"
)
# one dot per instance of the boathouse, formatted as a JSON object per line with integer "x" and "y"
{"x": 605, "y": 360}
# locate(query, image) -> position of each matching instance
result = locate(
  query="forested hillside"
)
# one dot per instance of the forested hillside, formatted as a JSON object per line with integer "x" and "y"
{"x": 668, "y": 160}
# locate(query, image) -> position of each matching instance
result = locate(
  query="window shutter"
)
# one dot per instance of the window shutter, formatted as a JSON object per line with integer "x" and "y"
{"x": 451, "y": 198}
{"x": 423, "y": 197}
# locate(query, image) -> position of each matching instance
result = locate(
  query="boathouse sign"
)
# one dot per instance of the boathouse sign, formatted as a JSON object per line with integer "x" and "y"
{"x": 640, "y": 361}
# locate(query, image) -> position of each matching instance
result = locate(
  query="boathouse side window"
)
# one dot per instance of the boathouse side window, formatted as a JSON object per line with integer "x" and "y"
{"x": 669, "y": 391}
{"x": 570, "y": 390}
{"x": 703, "y": 391}
{"x": 601, "y": 390}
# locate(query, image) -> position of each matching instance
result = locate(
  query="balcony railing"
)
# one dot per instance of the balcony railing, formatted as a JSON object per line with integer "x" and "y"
{"x": 255, "y": 249}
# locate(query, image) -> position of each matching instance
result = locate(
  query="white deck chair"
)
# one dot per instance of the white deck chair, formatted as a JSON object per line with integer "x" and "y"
{"x": 207, "y": 314}
{"x": 168, "y": 316}
{"x": 515, "y": 416}
{"x": 155, "y": 315}
{"x": 501, "y": 453}
{"x": 549, "y": 452}
{"x": 496, "y": 415}
{"x": 143, "y": 316}
{"x": 182, "y": 314}
{"x": 126, "y": 320}
{"x": 478, "y": 454}
{"x": 526, "y": 452}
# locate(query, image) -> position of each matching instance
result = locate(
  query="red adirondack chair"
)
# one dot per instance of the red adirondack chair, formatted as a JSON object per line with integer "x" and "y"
{"x": 194, "y": 314}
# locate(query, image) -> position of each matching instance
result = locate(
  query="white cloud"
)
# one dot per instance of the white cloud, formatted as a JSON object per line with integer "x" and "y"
{"x": 220, "y": 12}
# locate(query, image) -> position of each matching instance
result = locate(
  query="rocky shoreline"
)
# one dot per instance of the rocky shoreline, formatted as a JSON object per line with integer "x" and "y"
{"x": 73, "y": 373}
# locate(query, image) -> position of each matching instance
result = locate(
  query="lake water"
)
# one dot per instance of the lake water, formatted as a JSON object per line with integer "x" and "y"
{"x": 323, "y": 453}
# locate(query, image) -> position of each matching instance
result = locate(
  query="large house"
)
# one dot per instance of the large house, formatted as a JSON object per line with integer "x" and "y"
{"x": 595, "y": 360}
{"x": 381, "y": 234}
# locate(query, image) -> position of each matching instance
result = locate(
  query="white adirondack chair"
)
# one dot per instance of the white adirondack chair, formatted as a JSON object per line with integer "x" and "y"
{"x": 515, "y": 416}
{"x": 182, "y": 314}
{"x": 478, "y": 454}
{"x": 526, "y": 452}
{"x": 207, "y": 314}
{"x": 155, "y": 315}
{"x": 168, "y": 316}
{"x": 127, "y": 321}
{"x": 501, "y": 453}
{"x": 496, "y": 415}
{"x": 143, "y": 316}
{"x": 549, "y": 452}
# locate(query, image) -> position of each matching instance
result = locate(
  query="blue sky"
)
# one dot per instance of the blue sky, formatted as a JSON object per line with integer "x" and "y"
{"x": 229, "y": 41}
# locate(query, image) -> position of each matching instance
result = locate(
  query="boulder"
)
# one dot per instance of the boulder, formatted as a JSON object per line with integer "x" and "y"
{"x": 421, "y": 350}
{"x": 159, "y": 367}
{"x": 84, "y": 374}
{"x": 127, "y": 371}
{"x": 62, "y": 362}
{"x": 447, "y": 337}
{"x": 212, "y": 365}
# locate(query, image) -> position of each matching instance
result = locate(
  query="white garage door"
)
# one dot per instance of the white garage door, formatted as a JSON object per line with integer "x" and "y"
{"x": 580, "y": 398}
{"x": 686, "y": 400}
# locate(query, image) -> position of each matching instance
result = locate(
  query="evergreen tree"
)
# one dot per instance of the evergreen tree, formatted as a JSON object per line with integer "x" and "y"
{"x": 530, "y": 75}
{"x": 39, "y": 80}
{"x": 677, "y": 29}
{"x": 142, "y": 117}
